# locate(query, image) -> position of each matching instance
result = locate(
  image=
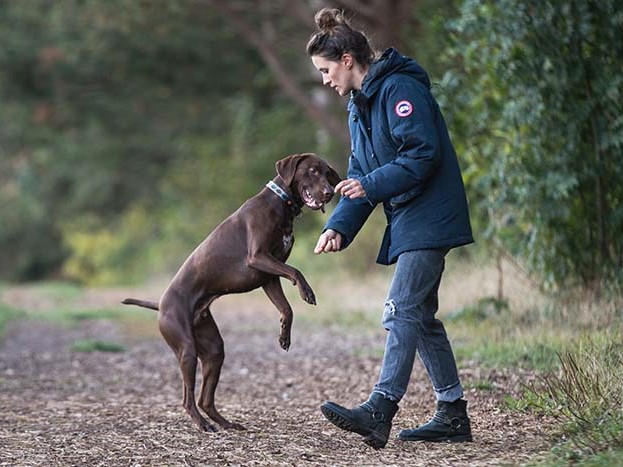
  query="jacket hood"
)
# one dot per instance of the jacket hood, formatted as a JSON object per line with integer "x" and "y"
{"x": 389, "y": 63}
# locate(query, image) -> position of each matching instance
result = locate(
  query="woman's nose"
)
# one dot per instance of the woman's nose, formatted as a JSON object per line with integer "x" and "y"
{"x": 325, "y": 80}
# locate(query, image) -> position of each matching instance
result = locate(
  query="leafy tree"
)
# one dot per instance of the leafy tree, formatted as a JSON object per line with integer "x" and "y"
{"x": 100, "y": 106}
{"x": 538, "y": 94}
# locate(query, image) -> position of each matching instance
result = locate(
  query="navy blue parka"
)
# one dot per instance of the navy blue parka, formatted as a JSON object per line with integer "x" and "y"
{"x": 402, "y": 155}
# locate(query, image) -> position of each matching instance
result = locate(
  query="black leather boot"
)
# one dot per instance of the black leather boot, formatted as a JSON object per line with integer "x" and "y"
{"x": 372, "y": 419}
{"x": 450, "y": 423}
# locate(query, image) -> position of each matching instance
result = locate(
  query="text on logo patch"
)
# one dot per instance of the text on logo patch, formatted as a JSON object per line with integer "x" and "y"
{"x": 403, "y": 108}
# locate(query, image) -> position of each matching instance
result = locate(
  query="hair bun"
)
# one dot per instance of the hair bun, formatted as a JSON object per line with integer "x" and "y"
{"x": 328, "y": 18}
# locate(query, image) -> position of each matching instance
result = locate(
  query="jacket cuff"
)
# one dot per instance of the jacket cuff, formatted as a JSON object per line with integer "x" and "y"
{"x": 367, "y": 187}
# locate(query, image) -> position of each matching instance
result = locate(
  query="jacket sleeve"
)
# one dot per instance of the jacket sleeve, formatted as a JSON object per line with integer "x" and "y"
{"x": 350, "y": 214}
{"x": 411, "y": 114}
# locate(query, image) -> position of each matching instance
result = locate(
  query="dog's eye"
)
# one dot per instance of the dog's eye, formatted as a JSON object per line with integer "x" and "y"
{"x": 313, "y": 170}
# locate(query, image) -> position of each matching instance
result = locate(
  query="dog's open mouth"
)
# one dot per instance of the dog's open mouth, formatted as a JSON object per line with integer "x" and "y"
{"x": 311, "y": 202}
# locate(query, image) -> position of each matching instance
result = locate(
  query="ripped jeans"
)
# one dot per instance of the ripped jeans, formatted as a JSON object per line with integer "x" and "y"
{"x": 409, "y": 318}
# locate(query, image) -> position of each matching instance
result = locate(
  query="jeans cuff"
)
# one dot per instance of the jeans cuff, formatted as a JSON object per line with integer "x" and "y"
{"x": 450, "y": 393}
{"x": 387, "y": 396}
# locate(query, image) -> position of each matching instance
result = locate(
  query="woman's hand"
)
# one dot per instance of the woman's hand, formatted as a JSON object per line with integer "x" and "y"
{"x": 350, "y": 188}
{"x": 330, "y": 240}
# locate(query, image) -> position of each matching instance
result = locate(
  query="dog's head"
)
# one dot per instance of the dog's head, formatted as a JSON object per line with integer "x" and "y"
{"x": 310, "y": 179}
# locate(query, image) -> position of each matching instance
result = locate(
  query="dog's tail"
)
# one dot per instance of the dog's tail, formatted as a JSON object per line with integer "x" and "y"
{"x": 143, "y": 303}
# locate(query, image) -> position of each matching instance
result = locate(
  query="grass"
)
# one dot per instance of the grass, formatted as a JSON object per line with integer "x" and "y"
{"x": 88, "y": 345}
{"x": 72, "y": 317}
{"x": 61, "y": 303}
{"x": 534, "y": 352}
{"x": 586, "y": 397}
{"x": 7, "y": 314}
{"x": 60, "y": 291}
{"x": 480, "y": 385}
{"x": 575, "y": 345}
{"x": 138, "y": 323}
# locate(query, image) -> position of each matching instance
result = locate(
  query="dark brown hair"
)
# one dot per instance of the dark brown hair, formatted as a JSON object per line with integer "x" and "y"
{"x": 335, "y": 37}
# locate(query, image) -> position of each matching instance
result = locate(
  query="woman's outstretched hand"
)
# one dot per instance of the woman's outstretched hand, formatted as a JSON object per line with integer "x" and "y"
{"x": 330, "y": 240}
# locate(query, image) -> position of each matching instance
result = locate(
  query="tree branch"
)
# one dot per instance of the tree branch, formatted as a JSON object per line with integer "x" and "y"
{"x": 289, "y": 85}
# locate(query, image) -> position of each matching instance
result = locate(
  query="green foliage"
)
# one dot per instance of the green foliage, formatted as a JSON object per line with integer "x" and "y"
{"x": 196, "y": 195}
{"x": 100, "y": 255}
{"x": 429, "y": 41}
{"x": 96, "y": 346}
{"x": 538, "y": 107}
{"x": 100, "y": 106}
{"x": 484, "y": 308}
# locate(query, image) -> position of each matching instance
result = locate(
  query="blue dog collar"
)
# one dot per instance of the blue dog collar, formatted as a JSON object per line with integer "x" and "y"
{"x": 285, "y": 197}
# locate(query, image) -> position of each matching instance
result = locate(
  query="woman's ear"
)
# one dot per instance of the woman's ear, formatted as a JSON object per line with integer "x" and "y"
{"x": 347, "y": 60}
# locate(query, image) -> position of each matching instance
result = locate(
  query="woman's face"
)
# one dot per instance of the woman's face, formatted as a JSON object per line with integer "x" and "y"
{"x": 336, "y": 74}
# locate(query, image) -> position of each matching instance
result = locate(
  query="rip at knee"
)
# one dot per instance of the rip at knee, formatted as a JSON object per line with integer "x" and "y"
{"x": 389, "y": 313}
{"x": 390, "y": 306}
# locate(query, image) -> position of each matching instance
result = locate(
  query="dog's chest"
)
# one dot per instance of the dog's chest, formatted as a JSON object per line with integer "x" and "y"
{"x": 282, "y": 245}
{"x": 288, "y": 240}
{"x": 283, "y": 241}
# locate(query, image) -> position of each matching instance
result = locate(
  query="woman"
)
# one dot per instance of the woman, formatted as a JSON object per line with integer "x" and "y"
{"x": 401, "y": 157}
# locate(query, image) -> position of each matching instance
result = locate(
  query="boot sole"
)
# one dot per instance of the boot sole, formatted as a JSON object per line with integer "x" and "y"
{"x": 336, "y": 415}
{"x": 441, "y": 439}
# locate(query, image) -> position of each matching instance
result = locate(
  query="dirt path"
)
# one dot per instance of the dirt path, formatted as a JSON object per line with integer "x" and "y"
{"x": 63, "y": 408}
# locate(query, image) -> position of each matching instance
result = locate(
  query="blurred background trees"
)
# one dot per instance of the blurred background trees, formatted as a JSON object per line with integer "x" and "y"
{"x": 539, "y": 91}
{"x": 130, "y": 129}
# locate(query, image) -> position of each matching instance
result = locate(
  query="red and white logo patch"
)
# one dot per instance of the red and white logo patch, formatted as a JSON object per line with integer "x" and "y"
{"x": 403, "y": 108}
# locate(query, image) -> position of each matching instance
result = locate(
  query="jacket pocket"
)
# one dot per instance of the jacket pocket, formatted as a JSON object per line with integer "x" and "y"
{"x": 404, "y": 198}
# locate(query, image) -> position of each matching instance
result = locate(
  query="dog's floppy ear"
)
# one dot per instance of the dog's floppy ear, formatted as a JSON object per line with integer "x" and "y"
{"x": 333, "y": 178}
{"x": 286, "y": 167}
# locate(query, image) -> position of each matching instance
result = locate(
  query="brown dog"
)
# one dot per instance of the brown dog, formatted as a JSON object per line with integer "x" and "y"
{"x": 246, "y": 251}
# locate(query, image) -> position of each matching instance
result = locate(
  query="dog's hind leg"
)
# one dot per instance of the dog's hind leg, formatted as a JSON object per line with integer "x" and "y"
{"x": 211, "y": 353}
{"x": 177, "y": 332}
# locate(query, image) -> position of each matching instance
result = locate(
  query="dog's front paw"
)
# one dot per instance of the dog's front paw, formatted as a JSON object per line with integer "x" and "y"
{"x": 307, "y": 294}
